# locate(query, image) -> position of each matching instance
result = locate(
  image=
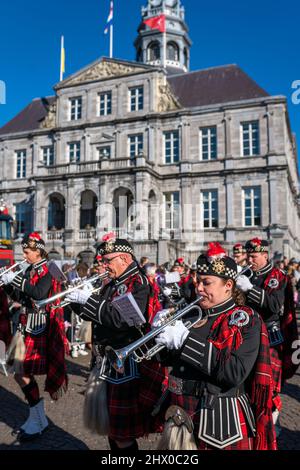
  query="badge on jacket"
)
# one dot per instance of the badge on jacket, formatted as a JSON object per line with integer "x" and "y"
{"x": 273, "y": 283}
{"x": 239, "y": 318}
{"x": 122, "y": 289}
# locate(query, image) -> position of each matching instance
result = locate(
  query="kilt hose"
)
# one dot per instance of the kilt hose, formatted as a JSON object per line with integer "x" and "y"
{"x": 192, "y": 406}
{"x": 35, "y": 360}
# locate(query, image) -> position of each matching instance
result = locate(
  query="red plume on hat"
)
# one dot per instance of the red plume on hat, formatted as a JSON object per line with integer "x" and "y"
{"x": 35, "y": 236}
{"x": 109, "y": 237}
{"x": 256, "y": 241}
{"x": 215, "y": 251}
{"x": 180, "y": 260}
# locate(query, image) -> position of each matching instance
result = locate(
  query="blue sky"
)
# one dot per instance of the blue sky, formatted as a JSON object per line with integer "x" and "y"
{"x": 260, "y": 36}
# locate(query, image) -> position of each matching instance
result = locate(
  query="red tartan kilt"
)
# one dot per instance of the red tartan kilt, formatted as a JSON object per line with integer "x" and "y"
{"x": 191, "y": 404}
{"x": 35, "y": 362}
{"x": 153, "y": 381}
{"x": 126, "y": 417}
{"x": 276, "y": 365}
{"x": 5, "y": 331}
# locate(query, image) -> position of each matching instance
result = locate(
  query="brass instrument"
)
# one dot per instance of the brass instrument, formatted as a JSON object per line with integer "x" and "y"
{"x": 139, "y": 349}
{"x": 246, "y": 271}
{"x": 93, "y": 291}
{"x": 16, "y": 265}
{"x": 42, "y": 303}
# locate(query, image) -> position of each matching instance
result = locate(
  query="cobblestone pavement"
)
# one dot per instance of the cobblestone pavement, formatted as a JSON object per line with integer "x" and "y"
{"x": 66, "y": 431}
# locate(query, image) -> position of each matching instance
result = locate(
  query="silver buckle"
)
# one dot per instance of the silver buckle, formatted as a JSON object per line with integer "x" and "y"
{"x": 175, "y": 385}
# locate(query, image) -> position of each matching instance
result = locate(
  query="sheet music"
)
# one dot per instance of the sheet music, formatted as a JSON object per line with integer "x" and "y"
{"x": 129, "y": 309}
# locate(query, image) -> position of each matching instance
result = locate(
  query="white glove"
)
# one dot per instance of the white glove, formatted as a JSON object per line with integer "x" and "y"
{"x": 173, "y": 336}
{"x": 79, "y": 296}
{"x": 167, "y": 291}
{"x": 160, "y": 317}
{"x": 7, "y": 278}
{"x": 239, "y": 269}
{"x": 243, "y": 283}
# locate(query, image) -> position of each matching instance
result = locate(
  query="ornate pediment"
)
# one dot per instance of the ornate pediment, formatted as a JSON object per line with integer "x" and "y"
{"x": 50, "y": 120}
{"x": 167, "y": 101}
{"x": 104, "y": 138}
{"x": 103, "y": 69}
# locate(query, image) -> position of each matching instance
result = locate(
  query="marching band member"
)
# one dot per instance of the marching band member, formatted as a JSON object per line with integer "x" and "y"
{"x": 269, "y": 292}
{"x": 116, "y": 403}
{"x": 220, "y": 385}
{"x": 240, "y": 255}
{"x": 5, "y": 330}
{"x": 42, "y": 350}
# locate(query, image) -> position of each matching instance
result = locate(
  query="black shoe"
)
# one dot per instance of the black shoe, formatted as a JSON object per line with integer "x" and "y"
{"x": 16, "y": 432}
{"x": 24, "y": 437}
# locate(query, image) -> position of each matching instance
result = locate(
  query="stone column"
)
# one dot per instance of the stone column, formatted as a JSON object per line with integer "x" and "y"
{"x": 230, "y": 232}
{"x": 120, "y": 101}
{"x": 270, "y": 132}
{"x": 151, "y": 96}
{"x": 186, "y": 204}
{"x": 141, "y": 207}
{"x": 151, "y": 144}
{"x": 184, "y": 140}
{"x": 86, "y": 153}
{"x": 118, "y": 147}
{"x": 227, "y": 133}
{"x": 273, "y": 202}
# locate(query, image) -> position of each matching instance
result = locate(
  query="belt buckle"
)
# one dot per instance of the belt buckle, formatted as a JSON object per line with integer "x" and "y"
{"x": 175, "y": 385}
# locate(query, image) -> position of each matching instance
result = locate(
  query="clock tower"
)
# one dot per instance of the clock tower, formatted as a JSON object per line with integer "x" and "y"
{"x": 170, "y": 49}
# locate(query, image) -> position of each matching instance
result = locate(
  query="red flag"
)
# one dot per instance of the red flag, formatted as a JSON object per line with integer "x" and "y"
{"x": 158, "y": 22}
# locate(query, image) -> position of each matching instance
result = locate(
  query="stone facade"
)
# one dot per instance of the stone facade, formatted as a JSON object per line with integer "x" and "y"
{"x": 127, "y": 193}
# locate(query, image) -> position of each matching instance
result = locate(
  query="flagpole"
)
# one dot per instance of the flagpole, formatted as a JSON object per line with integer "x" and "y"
{"x": 165, "y": 49}
{"x": 111, "y": 41}
{"x": 62, "y": 59}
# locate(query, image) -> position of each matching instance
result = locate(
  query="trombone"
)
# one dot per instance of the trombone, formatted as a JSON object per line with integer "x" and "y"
{"x": 42, "y": 303}
{"x": 139, "y": 348}
{"x": 11, "y": 268}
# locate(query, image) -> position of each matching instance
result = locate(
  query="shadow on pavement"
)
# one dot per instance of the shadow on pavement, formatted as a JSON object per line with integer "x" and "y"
{"x": 15, "y": 413}
{"x": 292, "y": 390}
{"x": 289, "y": 440}
{"x": 75, "y": 368}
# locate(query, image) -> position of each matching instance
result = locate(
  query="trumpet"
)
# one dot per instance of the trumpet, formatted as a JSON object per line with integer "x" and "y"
{"x": 16, "y": 265}
{"x": 42, "y": 303}
{"x": 93, "y": 291}
{"x": 140, "y": 350}
{"x": 246, "y": 271}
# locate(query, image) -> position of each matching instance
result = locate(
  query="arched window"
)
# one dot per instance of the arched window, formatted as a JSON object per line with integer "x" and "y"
{"x": 88, "y": 209}
{"x": 139, "y": 55}
{"x": 186, "y": 57}
{"x": 172, "y": 52}
{"x": 154, "y": 51}
{"x": 56, "y": 212}
{"x": 123, "y": 211}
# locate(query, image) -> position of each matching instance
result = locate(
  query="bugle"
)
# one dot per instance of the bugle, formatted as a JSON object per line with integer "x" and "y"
{"x": 139, "y": 348}
{"x": 42, "y": 303}
{"x": 14, "y": 266}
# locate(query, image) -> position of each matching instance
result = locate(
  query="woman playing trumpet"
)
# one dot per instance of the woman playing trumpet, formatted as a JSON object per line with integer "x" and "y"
{"x": 220, "y": 386}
